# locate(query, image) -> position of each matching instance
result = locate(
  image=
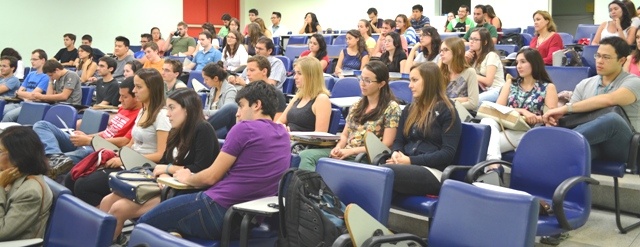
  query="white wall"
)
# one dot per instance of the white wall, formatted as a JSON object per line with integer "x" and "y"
{"x": 32, "y": 24}
{"x": 515, "y": 13}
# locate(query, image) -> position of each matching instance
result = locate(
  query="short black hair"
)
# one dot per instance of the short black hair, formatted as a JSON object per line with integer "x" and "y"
{"x": 464, "y": 6}
{"x": 50, "y": 66}
{"x": 278, "y": 14}
{"x": 254, "y": 11}
{"x": 127, "y": 83}
{"x": 390, "y": 22}
{"x": 111, "y": 63}
{"x": 263, "y": 92}
{"x": 226, "y": 17}
{"x": 148, "y": 36}
{"x": 70, "y": 36}
{"x": 13, "y": 62}
{"x": 619, "y": 44}
{"x": 124, "y": 40}
{"x": 10, "y": 52}
{"x": 212, "y": 70}
{"x": 87, "y": 38}
{"x": 25, "y": 150}
{"x": 417, "y": 7}
{"x": 268, "y": 43}
{"x": 372, "y": 11}
{"x": 482, "y": 7}
{"x": 41, "y": 53}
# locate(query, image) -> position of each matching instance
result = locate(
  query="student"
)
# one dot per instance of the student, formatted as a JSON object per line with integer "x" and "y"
{"x": 267, "y": 33}
{"x": 171, "y": 69}
{"x": 418, "y": 21}
{"x": 478, "y": 17}
{"x": 277, "y": 72}
{"x": 546, "y": 40}
{"x": 619, "y": 25}
{"x": 429, "y": 49}
{"x": 487, "y": 63}
{"x": 490, "y": 17}
{"x": 34, "y": 82}
{"x": 209, "y": 54}
{"x": 122, "y": 56}
{"x": 189, "y": 146}
{"x": 214, "y": 42}
{"x": 405, "y": 29}
{"x": 147, "y": 137}
{"x": 375, "y": 112}
{"x": 365, "y": 27}
{"x": 249, "y": 167}
{"x": 156, "y": 37}
{"x": 255, "y": 33}
{"x": 462, "y": 82}
{"x": 311, "y": 24}
{"x": 277, "y": 28}
{"x": 67, "y": 55}
{"x": 355, "y": 56}
{"x": 253, "y": 14}
{"x": 13, "y": 53}
{"x": 131, "y": 67}
{"x": 633, "y": 60}
{"x": 226, "y": 19}
{"x": 376, "y": 22}
{"x": 394, "y": 57}
{"x": 9, "y": 83}
{"x": 85, "y": 65}
{"x": 96, "y": 53}
{"x": 234, "y": 54}
{"x": 317, "y": 49}
{"x": 153, "y": 59}
{"x": 388, "y": 26}
{"x": 107, "y": 87}
{"x": 181, "y": 43}
{"x": 64, "y": 85}
{"x": 310, "y": 108}
{"x": 427, "y": 136}
{"x": 221, "y": 106}
{"x": 462, "y": 23}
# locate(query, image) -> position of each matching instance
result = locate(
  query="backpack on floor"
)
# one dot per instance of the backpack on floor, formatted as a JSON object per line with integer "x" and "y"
{"x": 313, "y": 216}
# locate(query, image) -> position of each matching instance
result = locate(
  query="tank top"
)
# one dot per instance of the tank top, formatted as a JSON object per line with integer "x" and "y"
{"x": 301, "y": 119}
{"x": 352, "y": 62}
{"x": 605, "y": 32}
{"x": 633, "y": 67}
{"x": 532, "y": 100}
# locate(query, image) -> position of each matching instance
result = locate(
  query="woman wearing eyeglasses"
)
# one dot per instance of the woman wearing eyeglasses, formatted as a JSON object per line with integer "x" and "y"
{"x": 428, "y": 50}
{"x": 375, "y": 112}
{"x": 462, "y": 82}
{"x": 487, "y": 63}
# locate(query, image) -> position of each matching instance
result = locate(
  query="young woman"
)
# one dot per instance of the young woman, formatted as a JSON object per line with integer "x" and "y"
{"x": 428, "y": 134}
{"x": 619, "y": 25}
{"x": 429, "y": 49}
{"x": 365, "y": 28}
{"x": 487, "y": 63}
{"x": 376, "y": 112}
{"x": 528, "y": 95}
{"x": 24, "y": 195}
{"x": 148, "y": 137}
{"x": 355, "y": 56}
{"x": 311, "y": 24}
{"x": 394, "y": 57}
{"x": 450, "y": 17}
{"x": 265, "y": 30}
{"x": 310, "y": 108}
{"x": 189, "y": 146}
{"x": 85, "y": 66}
{"x": 221, "y": 99}
{"x": 491, "y": 18}
{"x": 405, "y": 29}
{"x": 317, "y": 49}
{"x": 131, "y": 67}
{"x": 234, "y": 54}
{"x": 546, "y": 40}
{"x": 255, "y": 32}
{"x": 157, "y": 38}
{"x": 234, "y": 25}
{"x": 633, "y": 60}
{"x": 462, "y": 82}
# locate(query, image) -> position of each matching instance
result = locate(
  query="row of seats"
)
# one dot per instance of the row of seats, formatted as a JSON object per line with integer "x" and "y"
{"x": 31, "y": 112}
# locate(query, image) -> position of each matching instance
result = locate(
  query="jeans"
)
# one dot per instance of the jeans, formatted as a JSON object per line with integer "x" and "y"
{"x": 192, "y": 215}
{"x": 224, "y": 119}
{"x": 56, "y": 141}
{"x": 489, "y": 95}
{"x": 609, "y": 136}
{"x": 11, "y": 112}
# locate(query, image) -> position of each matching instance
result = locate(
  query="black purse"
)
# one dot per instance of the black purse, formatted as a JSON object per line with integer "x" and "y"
{"x": 571, "y": 121}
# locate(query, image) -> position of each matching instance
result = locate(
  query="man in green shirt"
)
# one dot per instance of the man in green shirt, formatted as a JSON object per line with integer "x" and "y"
{"x": 182, "y": 42}
{"x": 478, "y": 17}
{"x": 463, "y": 23}
{"x": 226, "y": 19}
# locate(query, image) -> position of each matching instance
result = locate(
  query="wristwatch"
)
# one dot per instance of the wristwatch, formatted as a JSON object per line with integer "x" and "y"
{"x": 569, "y": 107}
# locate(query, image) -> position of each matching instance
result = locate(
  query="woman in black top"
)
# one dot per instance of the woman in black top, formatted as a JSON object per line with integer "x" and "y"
{"x": 192, "y": 144}
{"x": 394, "y": 56}
{"x": 427, "y": 136}
{"x": 311, "y": 24}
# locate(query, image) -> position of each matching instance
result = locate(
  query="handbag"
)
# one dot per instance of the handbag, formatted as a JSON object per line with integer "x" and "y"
{"x": 506, "y": 116}
{"x": 138, "y": 186}
{"x": 571, "y": 121}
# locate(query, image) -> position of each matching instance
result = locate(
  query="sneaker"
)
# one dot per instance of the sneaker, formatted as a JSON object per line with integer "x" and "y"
{"x": 59, "y": 165}
{"x": 120, "y": 241}
{"x": 555, "y": 239}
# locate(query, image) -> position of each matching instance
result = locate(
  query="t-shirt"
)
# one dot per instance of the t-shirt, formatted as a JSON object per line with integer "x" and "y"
{"x": 459, "y": 26}
{"x": 118, "y": 74}
{"x": 307, "y": 52}
{"x": 108, "y": 91}
{"x": 35, "y": 80}
{"x": 278, "y": 72}
{"x": 492, "y": 58}
{"x": 154, "y": 65}
{"x": 12, "y": 84}
{"x": 65, "y": 55}
{"x": 418, "y": 24}
{"x": 146, "y": 139}
{"x": 69, "y": 80}
{"x": 120, "y": 125}
{"x": 262, "y": 150}
{"x": 202, "y": 58}
{"x": 182, "y": 44}
{"x": 492, "y": 31}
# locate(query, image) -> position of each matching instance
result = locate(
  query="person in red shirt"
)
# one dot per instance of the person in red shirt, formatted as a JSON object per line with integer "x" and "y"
{"x": 546, "y": 41}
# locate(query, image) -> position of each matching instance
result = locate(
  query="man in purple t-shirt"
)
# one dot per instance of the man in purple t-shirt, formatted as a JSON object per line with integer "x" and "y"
{"x": 253, "y": 158}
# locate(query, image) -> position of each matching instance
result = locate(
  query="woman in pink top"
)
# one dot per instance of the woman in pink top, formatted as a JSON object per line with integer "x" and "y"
{"x": 631, "y": 65}
{"x": 546, "y": 41}
{"x": 157, "y": 38}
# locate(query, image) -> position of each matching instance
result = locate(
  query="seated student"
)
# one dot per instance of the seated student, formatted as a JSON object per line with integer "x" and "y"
{"x": 620, "y": 25}
{"x": 153, "y": 59}
{"x": 156, "y": 37}
{"x": 189, "y": 146}
{"x": 121, "y": 55}
{"x": 388, "y": 26}
{"x": 478, "y": 16}
{"x": 221, "y": 100}
{"x": 394, "y": 57}
{"x": 631, "y": 65}
{"x": 310, "y": 108}
{"x": 462, "y": 82}
{"x": 107, "y": 86}
{"x": 428, "y": 134}
{"x": 355, "y": 56}
{"x": 418, "y": 20}
{"x": 311, "y": 24}
{"x": 255, "y": 33}
{"x": 317, "y": 49}
{"x": 277, "y": 72}
{"x": 428, "y": 49}
{"x": 171, "y": 69}
{"x": 85, "y": 66}
{"x": 147, "y": 137}
{"x": 249, "y": 167}
{"x": 208, "y": 54}
{"x": 139, "y": 55}
{"x": 267, "y": 33}
{"x": 9, "y": 83}
{"x": 376, "y": 112}
{"x": 546, "y": 40}
{"x": 405, "y": 29}
{"x": 234, "y": 54}
{"x": 376, "y": 22}
{"x": 96, "y": 53}
{"x": 365, "y": 30}
{"x": 462, "y": 23}
{"x": 35, "y": 81}
{"x": 131, "y": 67}
{"x": 215, "y": 43}
{"x": 64, "y": 85}
{"x": 68, "y": 54}
{"x": 487, "y": 63}
{"x": 25, "y": 197}
{"x": 65, "y": 150}
{"x": 13, "y": 53}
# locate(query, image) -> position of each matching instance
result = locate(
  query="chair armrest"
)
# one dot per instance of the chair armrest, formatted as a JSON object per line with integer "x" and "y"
{"x": 478, "y": 169}
{"x": 360, "y": 157}
{"x": 561, "y": 192}
{"x": 343, "y": 240}
{"x": 632, "y": 163}
{"x": 377, "y": 240}
{"x": 450, "y": 170}
{"x": 381, "y": 158}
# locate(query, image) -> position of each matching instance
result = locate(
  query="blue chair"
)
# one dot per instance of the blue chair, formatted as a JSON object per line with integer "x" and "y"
{"x": 328, "y": 39}
{"x": 588, "y": 59}
{"x": 560, "y": 176}
{"x": 138, "y": 54}
{"x": 294, "y": 51}
{"x": 567, "y": 39}
{"x": 277, "y": 50}
{"x": 507, "y": 48}
{"x": 526, "y": 38}
{"x": 511, "y": 70}
{"x": 195, "y": 75}
{"x": 297, "y": 40}
{"x": 145, "y": 234}
{"x": 530, "y": 30}
{"x": 178, "y": 58}
{"x": 67, "y": 113}
{"x": 94, "y": 121}
{"x": 32, "y": 112}
{"x": 329, "y": 81}
{"x": 334, "y": 121}
{"x": 287, "y": 85}
{"x": 346, "y": 87}
{"x": 585, "y": 31}
{"x": 91, "y": 227}
{"x": 287, "y": 62}
{"x": 87, "y": 95}
{"x": 566, "y": 78}
{"x": 2, "y": 103}
{"x": 26, "y": 71}
{"x": 506, "y": 31}
{"x": 57, "y": 190}
{"x": 444, "y": 36}
{"x": 340, "y": 40}
{"x": 375, "y": 36}
{"x": 401, "y": 90}
{"x": 333, "y": 51}
{"x": 135, "y": 48}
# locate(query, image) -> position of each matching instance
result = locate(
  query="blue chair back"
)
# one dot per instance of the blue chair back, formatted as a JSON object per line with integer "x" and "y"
{"x": 67, "y": 113}
{"x": 181, "y": 59}
{"x": 32, "y": 112}
{"x": 287, "y": 85}
{"x": 138, "y": 54}
{"x": 195, "y": 75}
{"x": 26, "y": 71}
{"x": 2, "y": 103}
{"x": 277, "y": 50}
{"x": 344, "y": 31}
{"x": 346, "y": 87}
{"x": 340, "y": 40}
{"x": 511, "y": 70}
{"x": 511, "y": 30}
{"x": 87, "y": 95}
{"x": 57, "y": 190}
{"x": 329, "y": 81}
{"x": 530, "y": 30}
{"x": 91, "y": 227}
{"x": 294, "y": 51}
{"x": 585, "y": 31}
{"x": 588, "y": 59}
{"x": 135, "y": 48}
{"x": 334, "y": 121}
{"x": 527, "y": 38}
{"x": 401, "y": 90}
{"x": 145, "y": 234}
{"x": 368, "y": 186}
{"x": 375, "y": 36}
{"x": 566, "y": 78}
{"x": 567, "y": 39}
{"x": 328, "y": 39}
{"x": 475, "y": 214}
{"x": 507, "y": 48}
{"x": 287, "y": 62}
{"x": 94, "y": 121}
{"x": 333, "y": 51}
{"x": 298, "y": 40}
{"x": 444, "y": 36}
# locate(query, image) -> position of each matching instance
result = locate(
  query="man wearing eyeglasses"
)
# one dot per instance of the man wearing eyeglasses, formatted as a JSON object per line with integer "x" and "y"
{"x": 478, "y": 17}
{"x": 35, "y": 82}
{"x": 277, "y": 29}
{"x": 462, "y": 23}
{"x": 609, "y": 134}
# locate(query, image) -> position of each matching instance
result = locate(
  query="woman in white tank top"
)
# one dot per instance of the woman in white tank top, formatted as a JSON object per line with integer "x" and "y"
{"x": 620, "y": 25}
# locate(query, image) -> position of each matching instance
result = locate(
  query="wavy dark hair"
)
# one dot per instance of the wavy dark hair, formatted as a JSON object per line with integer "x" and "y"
{"x": 538, "y": 71}
{"x": 230, "y": 50}
{"x": 314, "y": 23}
{"x": 359, "y": 114}
{"x": 25, "y": 150}
{"x": 361, "y": 45}
{"x": 625, "y": 21}
{"x": 434, "y": 48}
{"x": 181, "y": 138}
{"x": 322, "y": 51}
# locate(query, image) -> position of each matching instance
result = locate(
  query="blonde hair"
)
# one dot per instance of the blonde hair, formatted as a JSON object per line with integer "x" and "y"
{"x": 311, "y": 70}
{"x": 551, "y": 27}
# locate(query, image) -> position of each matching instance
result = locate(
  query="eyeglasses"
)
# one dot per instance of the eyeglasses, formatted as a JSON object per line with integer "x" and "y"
{"x": 605, "y": 57}
{"x": 474, "y": 39}
{"x": 365, "y": 80}
{"x": 230, "y": 37}
{"x": 425, "y": 35}
{"x": 444, "y": 50}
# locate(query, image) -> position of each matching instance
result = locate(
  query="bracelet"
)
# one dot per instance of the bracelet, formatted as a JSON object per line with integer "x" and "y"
{"x": 167, "y": 169}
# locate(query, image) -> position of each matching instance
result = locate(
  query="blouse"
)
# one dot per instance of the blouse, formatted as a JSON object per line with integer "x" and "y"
{"x": 548, "y": 47}
{"x": 532, "y": 100}
{"x": 357, "y": 131}
{"x": 352, "y": 62}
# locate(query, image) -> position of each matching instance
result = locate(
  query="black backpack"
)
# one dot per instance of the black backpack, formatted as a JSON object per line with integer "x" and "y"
{"x": 313, "y": 215}
{"x": 512, "y": 39}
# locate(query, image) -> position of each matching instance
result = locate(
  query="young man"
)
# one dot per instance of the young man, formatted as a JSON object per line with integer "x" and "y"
{"x": 478, "y": 17}
{"x": 151, "y": 54}
{"x": 107, "y": 87}
{"x": 67, "y": 55}
{"x": 278, "y": 73}
{"x": 65, "y": 150}
{"x": 207, "y": 55}
{"x": 226, "y": 18}
{"x": 9, "y": 83}
{"x": 253, "y": 14}
{"x": 388, "y": 26}
{"x": 97, "y": 53}
{"x": 249, "y": 166}
{"x": 183, "y": 43}
{"x": 417, "y": 19}
{"x": 34, "y": 82}
{"x": 277, "y": 29}
{"x": 121, "y": 51}
{"x": 64, "y": 85}
{"x": 144, "y": 38}
{"x": 462, "y": 23}
{"x": 376, "y": 22}
{"x": 171, "y": 69}
{"x": 609, "y": 135}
